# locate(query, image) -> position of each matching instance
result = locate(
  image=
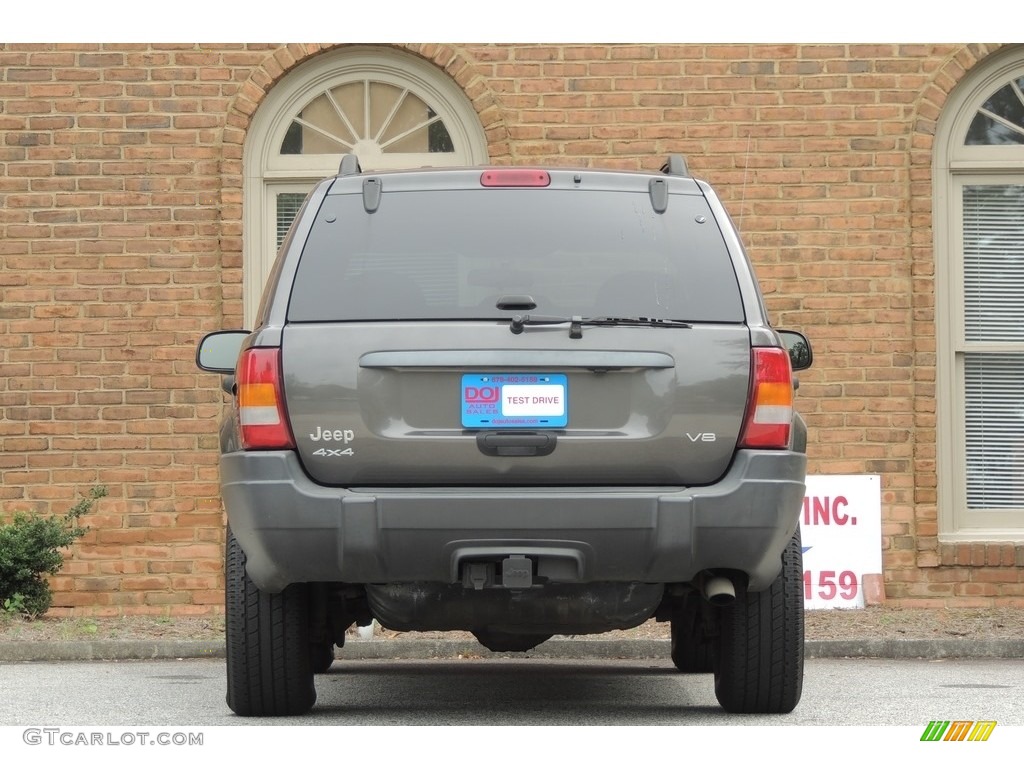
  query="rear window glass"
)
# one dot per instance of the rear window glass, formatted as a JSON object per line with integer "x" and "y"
{"x": 454, "y": 254}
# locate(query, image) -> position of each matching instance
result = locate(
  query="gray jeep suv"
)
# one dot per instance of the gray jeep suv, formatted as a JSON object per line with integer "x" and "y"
{"x": 518, "y": 402}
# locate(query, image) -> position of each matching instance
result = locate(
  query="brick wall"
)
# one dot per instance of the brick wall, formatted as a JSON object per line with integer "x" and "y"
{"x": 120, "y": 241}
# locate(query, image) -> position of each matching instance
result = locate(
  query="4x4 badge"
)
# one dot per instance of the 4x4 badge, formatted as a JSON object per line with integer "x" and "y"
{"x": 334, "y": 452}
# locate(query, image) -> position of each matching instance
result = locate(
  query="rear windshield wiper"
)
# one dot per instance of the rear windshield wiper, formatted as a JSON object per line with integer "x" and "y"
{"x": 576, "y": 322}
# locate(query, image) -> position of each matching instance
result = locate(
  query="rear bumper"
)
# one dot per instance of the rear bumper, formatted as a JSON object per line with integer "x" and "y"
{"x": 293, "y": 530}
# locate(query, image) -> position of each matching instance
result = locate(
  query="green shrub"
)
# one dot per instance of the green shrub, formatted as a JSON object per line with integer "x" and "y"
{"x": 30, "y": 548}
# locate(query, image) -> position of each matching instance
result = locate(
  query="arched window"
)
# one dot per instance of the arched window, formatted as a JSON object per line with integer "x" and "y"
{"x": 390, "y": 108}
{"x": 979, "y": 210}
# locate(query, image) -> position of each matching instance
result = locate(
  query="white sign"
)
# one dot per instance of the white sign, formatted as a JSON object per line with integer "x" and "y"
{"x": 841, "y": 530}
{"x": 533, "y": 400}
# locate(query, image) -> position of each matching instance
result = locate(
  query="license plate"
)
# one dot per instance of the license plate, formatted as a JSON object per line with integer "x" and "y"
{"x": 515, "y": 400}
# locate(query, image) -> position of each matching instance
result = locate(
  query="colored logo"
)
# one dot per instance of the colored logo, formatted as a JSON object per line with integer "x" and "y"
{"x": 481, "y": 394}
{"x": 958, "y": 730}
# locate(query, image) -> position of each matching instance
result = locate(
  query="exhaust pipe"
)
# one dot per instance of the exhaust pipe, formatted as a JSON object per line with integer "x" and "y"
{"x": 719, "y": 591}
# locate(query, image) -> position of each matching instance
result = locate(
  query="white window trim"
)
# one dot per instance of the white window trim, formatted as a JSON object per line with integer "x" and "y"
{"x": 954, "y": 166}
{"x": 266, "y": 171}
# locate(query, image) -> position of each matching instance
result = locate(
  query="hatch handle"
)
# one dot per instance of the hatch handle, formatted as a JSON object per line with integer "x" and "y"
{"x": 516, "y": 443}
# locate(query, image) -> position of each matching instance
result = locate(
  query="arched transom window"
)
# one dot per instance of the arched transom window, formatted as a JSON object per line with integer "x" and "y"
{"x": 371, "y": 119}
{"x": 389, "y": 108}
{"x": 1000, "y": 119}
{"x": 980, "y": 303}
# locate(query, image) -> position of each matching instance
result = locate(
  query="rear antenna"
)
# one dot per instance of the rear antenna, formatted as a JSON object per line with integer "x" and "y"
{"x": 349, "y": 165}
{"x": 675, "y": 165}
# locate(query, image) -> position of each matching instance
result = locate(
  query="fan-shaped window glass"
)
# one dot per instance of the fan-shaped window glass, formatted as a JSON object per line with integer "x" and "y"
{"x": 1000, "y": 120}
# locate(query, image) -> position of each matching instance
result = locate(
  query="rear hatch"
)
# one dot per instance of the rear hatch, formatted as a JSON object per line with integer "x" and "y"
{"x": 442, "y": 332}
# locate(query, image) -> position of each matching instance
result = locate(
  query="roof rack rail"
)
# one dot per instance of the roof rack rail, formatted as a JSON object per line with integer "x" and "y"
{"x": 349, "y": 165}
{"x": 675, "y": 165}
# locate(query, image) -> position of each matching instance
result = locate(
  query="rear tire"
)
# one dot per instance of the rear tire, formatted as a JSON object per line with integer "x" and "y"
{"x": 760, "y": 665}
{"x": 692, "y": 651}
{"x": 267, "y": 642}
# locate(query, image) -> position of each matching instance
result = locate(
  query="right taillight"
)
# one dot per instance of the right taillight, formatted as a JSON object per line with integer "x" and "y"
{"x": 770, "y": 405}
{"x": 261, "y": 413}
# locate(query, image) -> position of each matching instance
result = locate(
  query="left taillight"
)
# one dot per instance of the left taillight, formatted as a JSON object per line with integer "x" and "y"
{"x": 770, "y": 405}
{"x": 261, "y": 411}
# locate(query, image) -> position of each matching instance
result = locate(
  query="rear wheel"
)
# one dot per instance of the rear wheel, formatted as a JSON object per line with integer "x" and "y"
{"x": 760, "y": 664}
{"x": 267, "y": 644}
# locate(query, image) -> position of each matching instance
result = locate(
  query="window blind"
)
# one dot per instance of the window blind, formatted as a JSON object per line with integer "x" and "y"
{"x": 288, "y": 204}
{"x": 994, "y": 263}
{"x": 994, "y": 426}
{"x": 993, "y": 279}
